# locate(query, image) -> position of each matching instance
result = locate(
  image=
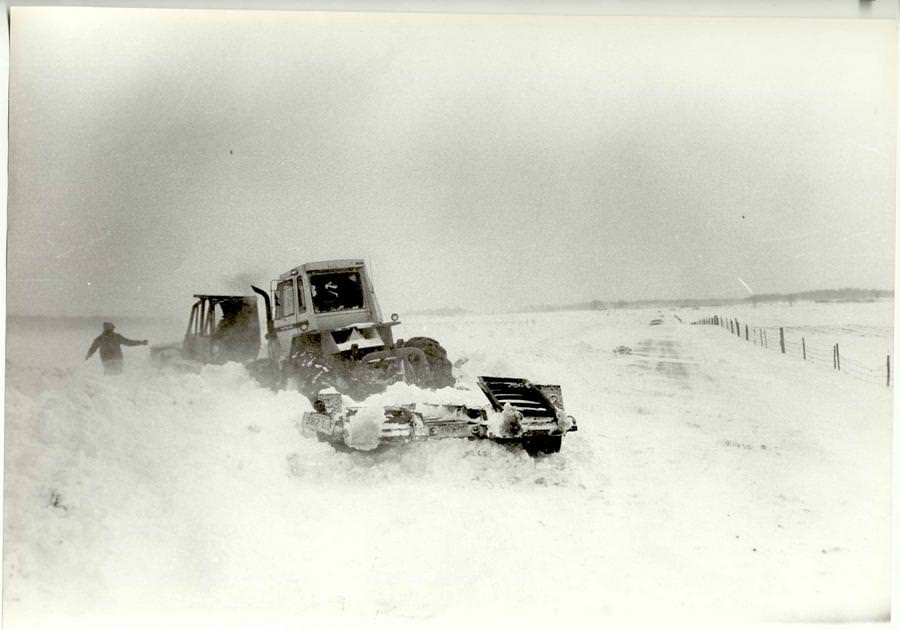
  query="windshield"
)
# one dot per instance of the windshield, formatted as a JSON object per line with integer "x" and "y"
{"x": 336, "y": 291}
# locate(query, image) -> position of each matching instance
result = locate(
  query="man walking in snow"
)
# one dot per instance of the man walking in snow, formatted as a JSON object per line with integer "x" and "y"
{"x": 110, "y": 345}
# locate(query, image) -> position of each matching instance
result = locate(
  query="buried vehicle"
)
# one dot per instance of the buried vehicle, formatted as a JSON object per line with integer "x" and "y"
{"x": 326, "y": 337}
{"x": 519, "y": 412}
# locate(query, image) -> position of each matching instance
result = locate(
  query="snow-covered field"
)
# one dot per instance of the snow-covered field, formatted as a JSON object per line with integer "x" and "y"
{"x": 862, "y": 331}
{"x": 708, "y": 479}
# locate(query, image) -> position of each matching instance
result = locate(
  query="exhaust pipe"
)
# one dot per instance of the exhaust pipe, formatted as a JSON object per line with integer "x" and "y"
{"x": 270, "y": 323}
{"x": 273, "y": 346}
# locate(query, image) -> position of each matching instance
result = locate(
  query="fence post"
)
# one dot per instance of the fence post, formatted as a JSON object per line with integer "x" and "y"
{"x": 746, "y": 332}
{"x": 837, "y": 355}
{"x": 834, "y": 357}
{"x": 803, "y": 339}
{"x": 888, "y": 370}
{"x": 781, "y": 333}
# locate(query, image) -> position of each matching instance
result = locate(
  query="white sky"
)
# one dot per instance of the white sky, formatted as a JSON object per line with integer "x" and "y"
{"x": 485, "y": 162}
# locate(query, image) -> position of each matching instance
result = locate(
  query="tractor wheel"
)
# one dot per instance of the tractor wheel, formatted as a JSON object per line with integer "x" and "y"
{"x": 543, "y": 445}
{"x": 310, "y": 374}
{"x": 439, "y": 370}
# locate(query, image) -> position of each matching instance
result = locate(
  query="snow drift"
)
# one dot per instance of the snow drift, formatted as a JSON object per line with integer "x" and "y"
{"x": 707, "y": 478}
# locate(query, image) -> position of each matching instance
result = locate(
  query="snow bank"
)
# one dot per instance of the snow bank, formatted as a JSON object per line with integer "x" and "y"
{"x": 709, "y": 478}
{"x": 364, "y": 428}
{"x": 403, "y": 393}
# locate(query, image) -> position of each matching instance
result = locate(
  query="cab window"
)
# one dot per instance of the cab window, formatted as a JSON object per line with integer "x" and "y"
{"x": 284, "y": 299}
{"x": 301, "y": 306}
{"x": 336, "y": 291}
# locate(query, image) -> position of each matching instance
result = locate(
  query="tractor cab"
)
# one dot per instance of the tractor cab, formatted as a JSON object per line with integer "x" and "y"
{"x": 329, "y": 308}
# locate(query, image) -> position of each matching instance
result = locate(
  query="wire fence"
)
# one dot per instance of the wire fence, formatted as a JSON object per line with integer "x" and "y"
{"x": 772, "y": 338}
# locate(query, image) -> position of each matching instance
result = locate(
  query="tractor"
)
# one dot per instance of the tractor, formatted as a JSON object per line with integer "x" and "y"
{"x": 324, "y": 328}
{"x": 326, "y": 337}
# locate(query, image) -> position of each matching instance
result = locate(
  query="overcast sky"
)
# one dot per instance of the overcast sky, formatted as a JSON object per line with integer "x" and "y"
{"x": 484, "y": 162}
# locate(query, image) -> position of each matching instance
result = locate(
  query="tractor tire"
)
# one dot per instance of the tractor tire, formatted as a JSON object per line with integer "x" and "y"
{"x": 438, "y": 370}
{"x": 310, "y": 374}
{"x": 544, "y": 445}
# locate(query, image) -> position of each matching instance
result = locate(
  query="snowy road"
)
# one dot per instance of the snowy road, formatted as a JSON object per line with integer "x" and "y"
{"x": 707, "y": 478}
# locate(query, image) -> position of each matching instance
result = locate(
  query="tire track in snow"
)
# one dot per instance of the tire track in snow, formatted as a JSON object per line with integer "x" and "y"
{"x": 666, "y": 359}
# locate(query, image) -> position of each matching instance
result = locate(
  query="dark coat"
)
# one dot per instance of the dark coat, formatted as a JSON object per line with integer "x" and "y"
{"x": 110, "y": 345}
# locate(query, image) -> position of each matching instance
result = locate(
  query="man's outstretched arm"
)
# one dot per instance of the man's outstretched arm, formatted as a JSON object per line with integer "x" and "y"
{"x": 132, "y": 342}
